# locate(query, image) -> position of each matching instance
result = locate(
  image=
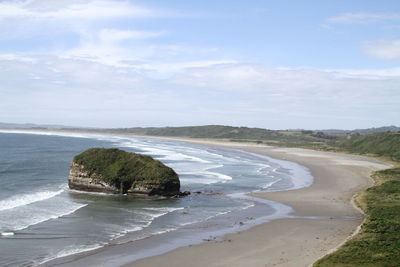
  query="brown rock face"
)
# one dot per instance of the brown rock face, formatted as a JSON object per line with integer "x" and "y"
{"x": 79, "y": 179}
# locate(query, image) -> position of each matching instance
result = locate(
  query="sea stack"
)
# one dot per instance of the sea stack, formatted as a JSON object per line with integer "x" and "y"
{"x": 119, "y": 172}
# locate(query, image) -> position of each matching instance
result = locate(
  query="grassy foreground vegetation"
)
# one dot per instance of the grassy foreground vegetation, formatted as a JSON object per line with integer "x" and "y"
{"x": 378, "y": 243}
{"x": 121, "y": 168}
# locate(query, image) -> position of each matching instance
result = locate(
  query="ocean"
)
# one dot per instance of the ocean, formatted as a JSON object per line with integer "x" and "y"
{"x": 41, "y": 219}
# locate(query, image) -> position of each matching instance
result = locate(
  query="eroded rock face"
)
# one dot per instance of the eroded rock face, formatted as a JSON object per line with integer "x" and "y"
{"x": 118, "y": 172}
{"x": 79, "y": 179}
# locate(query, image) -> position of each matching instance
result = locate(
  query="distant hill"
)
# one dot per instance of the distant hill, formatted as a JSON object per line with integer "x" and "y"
{"x": 381, "y": 144}
{"x": 4, "y": 125}
{"x": 382, "y": 141}
{"x": 227, "y": 132}
{"x": 363, "y": 131}
{"x": 206, "y": 131}
{"x": 378, "y": 130}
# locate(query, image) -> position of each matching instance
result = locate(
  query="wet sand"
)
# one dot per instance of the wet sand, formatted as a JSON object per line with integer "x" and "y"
{"x": 296, "y": 241}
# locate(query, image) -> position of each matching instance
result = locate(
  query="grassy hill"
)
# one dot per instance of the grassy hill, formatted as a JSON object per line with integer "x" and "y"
{"x": 380, "y": 144}
{"x": 363, "y": 141}
{"x": 259, "y": 135}
{"x": 382, "y": 129}
{"x": 207, "y": 131}
{"x": 385, "y": 144}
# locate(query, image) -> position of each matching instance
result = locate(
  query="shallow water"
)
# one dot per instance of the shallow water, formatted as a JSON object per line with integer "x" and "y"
{"x": 41, "y": 219}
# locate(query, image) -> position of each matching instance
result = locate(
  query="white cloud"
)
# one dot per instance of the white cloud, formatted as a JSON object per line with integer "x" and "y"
{"x": 156, "y": 60}
{"x": 72, "y": 91}
{"x": 173, "y": 67}
{"x": 363, "y": 18}
{"x": 118, "y": 44}
{"x": 253, "y": 78}
{"x": 101, "y": 72}
{"x": 367, "y": 74}
{"x": 14, "y": 57}
{"x": 116, "y": 35}
{"x": 63, "y": 9}
{"x": 384, "y": 49}
{"x": 106, "y": 47}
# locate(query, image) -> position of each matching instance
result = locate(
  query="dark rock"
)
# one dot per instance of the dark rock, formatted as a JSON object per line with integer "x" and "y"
{"x": 184, "y": 193}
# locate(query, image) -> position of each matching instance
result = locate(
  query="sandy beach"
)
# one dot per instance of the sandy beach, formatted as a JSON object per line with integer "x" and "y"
{"x": 324, "y": 215}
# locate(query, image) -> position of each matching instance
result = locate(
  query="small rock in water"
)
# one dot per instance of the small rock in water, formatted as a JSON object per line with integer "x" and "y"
{"x": 183, "y": 194}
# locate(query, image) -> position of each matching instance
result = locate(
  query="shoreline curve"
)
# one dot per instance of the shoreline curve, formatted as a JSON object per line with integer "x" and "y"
{"x": 324, "y": 216}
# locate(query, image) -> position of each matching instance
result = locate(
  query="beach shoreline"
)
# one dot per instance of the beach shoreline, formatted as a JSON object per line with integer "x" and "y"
{"x": 324, "y": 215}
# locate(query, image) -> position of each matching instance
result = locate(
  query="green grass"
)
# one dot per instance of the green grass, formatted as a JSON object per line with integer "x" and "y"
{"x": 120, "y": 168}
{"x": 381, "y": 144}
{"x": 225, "y": 132}
{"x": 378, "y": 243}
{"x": 386, "y": 144}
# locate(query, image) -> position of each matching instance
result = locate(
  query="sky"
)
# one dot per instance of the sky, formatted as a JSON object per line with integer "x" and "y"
{"x": 284, "y": 64}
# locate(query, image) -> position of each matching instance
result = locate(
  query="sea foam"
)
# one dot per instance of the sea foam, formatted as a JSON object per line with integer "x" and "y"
{"x": 26, "y": 216}
{"x": 26, "y": 199}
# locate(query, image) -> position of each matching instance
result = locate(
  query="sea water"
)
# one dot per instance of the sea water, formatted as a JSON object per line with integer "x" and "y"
{"x": 41, "y": 219}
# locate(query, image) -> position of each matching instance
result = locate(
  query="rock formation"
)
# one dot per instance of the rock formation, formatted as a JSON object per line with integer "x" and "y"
{"x": 119, "y": 172}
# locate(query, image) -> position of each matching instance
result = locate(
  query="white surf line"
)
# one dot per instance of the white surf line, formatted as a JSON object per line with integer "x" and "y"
{"x": 26, "y": 199}
{"x": 23, "y": 225}
{"x": 300, "y": 176}
{"x": 7, "y": 234}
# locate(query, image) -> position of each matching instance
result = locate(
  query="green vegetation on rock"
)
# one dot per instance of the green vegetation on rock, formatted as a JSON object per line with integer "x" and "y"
{"x": 378, "y": 243}
{"x": 124, "y": 170}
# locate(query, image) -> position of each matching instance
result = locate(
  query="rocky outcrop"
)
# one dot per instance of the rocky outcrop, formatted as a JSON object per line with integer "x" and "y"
{"x": 118, "y": 172}
{"x": 80, "y": 179}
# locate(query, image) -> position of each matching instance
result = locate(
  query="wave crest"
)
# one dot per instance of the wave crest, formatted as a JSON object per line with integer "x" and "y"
{"x": 26, "y": 199}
